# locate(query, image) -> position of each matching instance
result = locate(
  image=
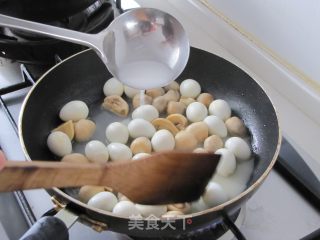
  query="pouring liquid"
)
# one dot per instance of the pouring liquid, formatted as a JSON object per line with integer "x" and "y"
{"x": 145, "y": 74}
{"x": 142, "y": 102}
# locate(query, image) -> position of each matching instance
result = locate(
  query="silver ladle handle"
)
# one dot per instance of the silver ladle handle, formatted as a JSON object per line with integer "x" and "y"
{"x": 89, "y": 40}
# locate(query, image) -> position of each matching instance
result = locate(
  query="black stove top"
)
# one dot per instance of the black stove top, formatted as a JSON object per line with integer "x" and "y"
{"x": 40, "y": 53}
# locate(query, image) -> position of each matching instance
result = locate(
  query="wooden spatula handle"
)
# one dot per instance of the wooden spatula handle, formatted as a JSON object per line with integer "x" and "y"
{"x": 162, "y": 178}
{"x": 17, "y": 175}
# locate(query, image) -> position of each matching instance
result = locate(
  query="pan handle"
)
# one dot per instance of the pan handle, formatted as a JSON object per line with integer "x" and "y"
{"x": 232, "y": 226}
{"x": 47, "y": 228}
{"x": 52, "y": 227}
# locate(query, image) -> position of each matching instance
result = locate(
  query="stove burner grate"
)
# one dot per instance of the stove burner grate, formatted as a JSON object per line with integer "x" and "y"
{"x": 33, "y": 49}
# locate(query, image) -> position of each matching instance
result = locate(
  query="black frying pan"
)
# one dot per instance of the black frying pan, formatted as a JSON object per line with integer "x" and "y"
{"x": 82, "y": 77}
{"x": 43, "y": 11}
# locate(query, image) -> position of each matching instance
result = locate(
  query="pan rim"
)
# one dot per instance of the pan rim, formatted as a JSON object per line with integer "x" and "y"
{"x": 217, "y": 208}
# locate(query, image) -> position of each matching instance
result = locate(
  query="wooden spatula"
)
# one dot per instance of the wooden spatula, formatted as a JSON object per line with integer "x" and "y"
{"x": 162, "y": 178}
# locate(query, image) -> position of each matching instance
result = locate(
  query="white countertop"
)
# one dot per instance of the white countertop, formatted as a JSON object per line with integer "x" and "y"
{"x": 208, "y": 32}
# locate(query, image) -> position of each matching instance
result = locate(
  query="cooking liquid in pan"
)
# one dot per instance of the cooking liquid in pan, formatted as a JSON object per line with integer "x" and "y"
{"x": 236, "y": 183}
{"x": 233, "y": 185}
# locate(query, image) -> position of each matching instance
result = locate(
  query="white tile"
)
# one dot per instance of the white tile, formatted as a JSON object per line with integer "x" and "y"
{"x": 3, "y": 234}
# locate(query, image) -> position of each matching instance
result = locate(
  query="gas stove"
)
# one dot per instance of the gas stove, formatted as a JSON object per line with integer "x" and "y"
{"x": 39, "y": 53}
{"x": 278, "y": 210}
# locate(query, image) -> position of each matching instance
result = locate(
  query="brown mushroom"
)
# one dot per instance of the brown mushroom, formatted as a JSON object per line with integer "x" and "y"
{"x": 176, "y": 107}
{"x": 178, "y": 120}
{"x": 155, "y": 92}
{"x": 162, "y": 123}
{"x": 141, "y": 99}
{"x": 236, "y": 127}
{"x": 88, "y": 191}
{"x": 172, "y": 95}
{"x": 205, "y": 98}
{"x": 160, "y": 103}
{"x": 185, "y": 141}
{"x": 172, "y": 86}
{"x": 117, "y": 105}
{"x": 75, "y": 158}
{"x": 141, "y": 145}
{"x": 84, "y": 129}
{"x": 186, "y": 101}
{"x": 213, "y": 143}
{"x": 199, "y": 129}
{"x": 66, "y": 128}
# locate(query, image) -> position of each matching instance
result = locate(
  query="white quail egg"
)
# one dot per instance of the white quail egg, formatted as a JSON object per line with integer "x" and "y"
{"x": 172, "y": 214}
{"x": 119, "y": 152}
{"x": 216, "y": 126}
{"x": 214, "y": 195}
{"x": 146, "y": 112}
{"x": 190, "y": 88}
{"x": 96, "y": 151}
{"x": 196, "y": 112}
{"x": 74, "y": 110}
{"x": 220, "y": 108}
{"x": 227, "y": 164}
{"x": 198, "y": 206}
{"x": 140, "y": 156}
{"x": 141, "y": 128}
{"x": 104, "y": 201}
{"x": 125, "y": 209}
{"x": 163, "y": 140}
{"x": 59, "y": 143}
{"x": 239, "y": 147}
{"x": 113, "y": 87}
{"x": 155, "y": 210}
{"x": 131, "y": 92}
{"x": 117, "y": 132}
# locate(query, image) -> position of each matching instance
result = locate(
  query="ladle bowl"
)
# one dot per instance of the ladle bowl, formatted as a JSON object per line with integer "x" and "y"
{"x": 144, "y": 47}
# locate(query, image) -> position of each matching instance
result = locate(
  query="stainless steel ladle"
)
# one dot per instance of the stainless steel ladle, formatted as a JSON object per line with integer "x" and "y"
{"x": 146, "y": 41}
